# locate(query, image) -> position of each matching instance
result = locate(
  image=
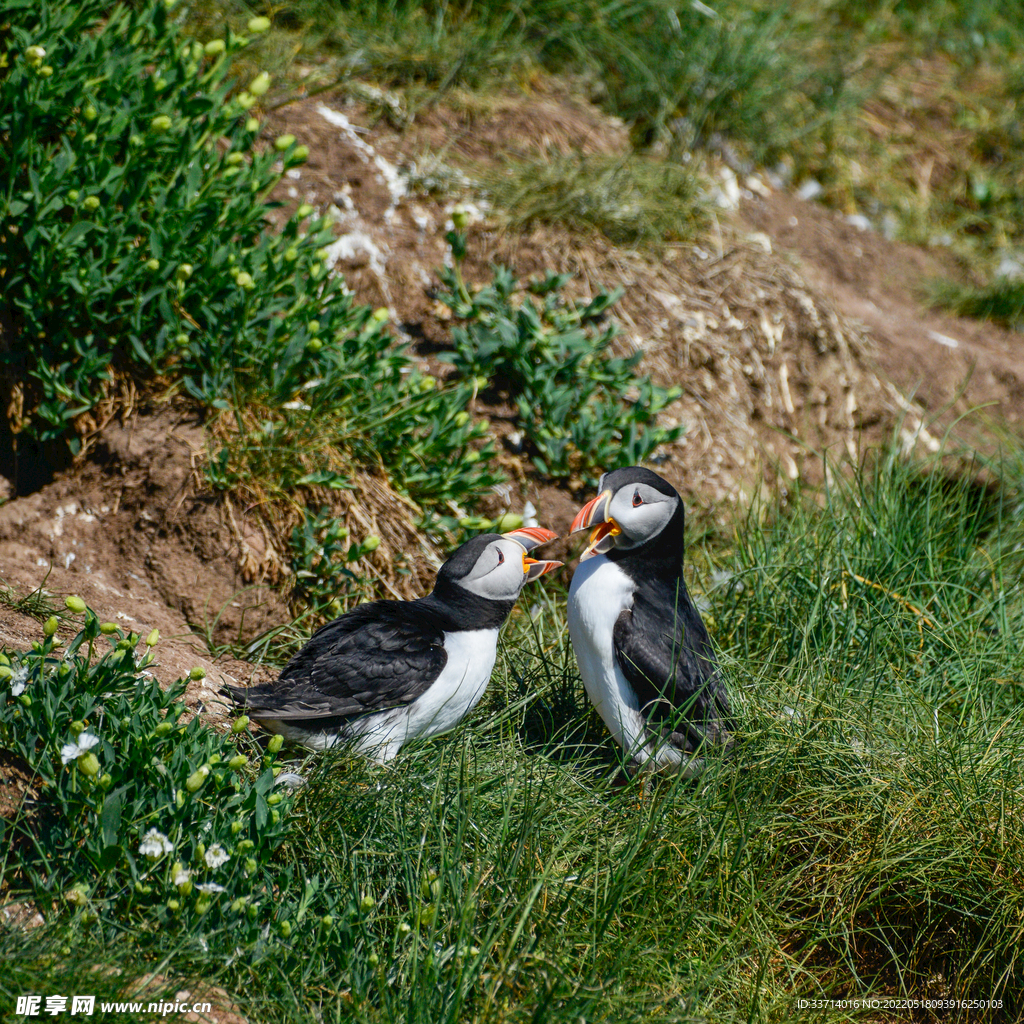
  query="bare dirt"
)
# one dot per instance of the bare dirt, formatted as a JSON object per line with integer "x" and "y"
{"x": 790, "y": 331}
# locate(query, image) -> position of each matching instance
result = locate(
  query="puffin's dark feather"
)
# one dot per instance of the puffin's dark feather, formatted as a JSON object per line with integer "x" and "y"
{"x": 380, "y": 655}
{"x": 665, "y": 653}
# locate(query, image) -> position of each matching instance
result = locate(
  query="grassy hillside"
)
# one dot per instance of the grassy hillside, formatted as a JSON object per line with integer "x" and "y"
{"x": 864, "y": 840}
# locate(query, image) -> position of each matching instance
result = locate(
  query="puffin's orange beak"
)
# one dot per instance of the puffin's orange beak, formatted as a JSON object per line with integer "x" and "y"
{"x": 531, "y": 537}
{"x": 595, "y": 513}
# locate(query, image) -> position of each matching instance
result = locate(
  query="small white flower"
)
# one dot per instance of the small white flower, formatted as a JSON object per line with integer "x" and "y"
{"x": 182, "y": 876}
{"x": 155, "y": 844}
{"x": 296, "y": 405}
{"x": 18, "y": 682}
{"x": 215, "y": 856}
{"x": 210, "y": 887}
{"x": 85, "y": 742}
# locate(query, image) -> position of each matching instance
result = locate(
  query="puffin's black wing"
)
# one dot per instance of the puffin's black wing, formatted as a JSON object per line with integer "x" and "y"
{"x": 380, "y": 655}
{"x": 665, "y": 653}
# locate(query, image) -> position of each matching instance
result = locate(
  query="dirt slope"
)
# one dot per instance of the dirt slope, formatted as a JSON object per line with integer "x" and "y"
{"x": 790, "y": 332}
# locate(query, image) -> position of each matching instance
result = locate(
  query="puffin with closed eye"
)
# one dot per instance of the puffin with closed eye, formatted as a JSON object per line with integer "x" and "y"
{"x": 391, "y": 671}
{"x": 643, "y": 651}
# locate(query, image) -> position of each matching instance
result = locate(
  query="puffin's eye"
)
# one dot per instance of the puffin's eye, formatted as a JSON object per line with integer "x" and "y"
{"x": 501, "y": 557}
{"x": 637, "y": 500}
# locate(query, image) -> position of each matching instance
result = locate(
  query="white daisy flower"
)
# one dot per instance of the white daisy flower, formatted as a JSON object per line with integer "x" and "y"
{"x": 215, "y": 856}
{"x": 155, "y": 844}
{"x": 210, "y": 887}
{"x": 19, "y": 680}
{"x": 85, "y": 742}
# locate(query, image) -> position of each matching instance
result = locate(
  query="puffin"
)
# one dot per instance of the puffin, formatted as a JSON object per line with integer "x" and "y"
{"x": 391, "y": 671}
{"x": 643, "y": 651}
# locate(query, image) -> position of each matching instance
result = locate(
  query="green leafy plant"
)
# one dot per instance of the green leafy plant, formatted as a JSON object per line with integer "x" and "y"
{"x": 135, "y": 244}
{"x": 144, "y": 814}
{"x": 581, "y": 410}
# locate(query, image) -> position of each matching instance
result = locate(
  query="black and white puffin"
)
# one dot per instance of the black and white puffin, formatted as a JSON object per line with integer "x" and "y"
{"x": 391, "y": 671}
{"x": 642, "y": 648}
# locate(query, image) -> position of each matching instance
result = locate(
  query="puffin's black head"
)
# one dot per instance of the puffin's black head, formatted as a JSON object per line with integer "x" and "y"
{"x": 637, "y": 512}
{"x": 491, "y": 569}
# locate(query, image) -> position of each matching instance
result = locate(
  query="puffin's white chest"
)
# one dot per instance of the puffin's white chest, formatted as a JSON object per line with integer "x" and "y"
{"x": 598, "y": 594}
{"x": 455, "y": 692}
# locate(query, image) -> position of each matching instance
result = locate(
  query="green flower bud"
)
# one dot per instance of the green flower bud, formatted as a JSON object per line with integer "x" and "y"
{"x": 234, "y": 158}
{"x": 106, "y": 780}
{"x": 327, "y": 921}
{"x": 313, "y": 326}
{"x": 179, "y": 799}
{"x": 291, "y": 254}
{"x": 46, "y": 71}
{"x": 73, "y": 196}
{"x": 77, "y": 727}
{"x": 77, "y": 895}
{"x": 74, "y": 603}
{"x": 371, "y": 543}
{"x": 246, "y": 100}
{"x": 50, "y": 626}
{"x": 88, "y": 764}
{"x": 276, "y": 742}
{"x": 184, "y": 272}
{"x": 314, "y": 345}
{"x": 252, "y": 125}
{"x": 460, "y": 218}
{"x": 471, "y": 457}
{"x": 6, "y": 672}
{"x": 246, "y": 845}
{"x": 373, "y": 959}
{"x": 153, "y": 265}
{"x": 197, "y": 673}
{"x": 250, "y": 866}
{"x": 427, "y": 384}
{"x": 151, "y": 640}
{"x": 91, "y": 203}
{"x": 274, "y": 799}
{"x": 236, "y": 827}
{"x": 244, "y": 280}
{"x": 181, "y": 340}
{"x": 304, "y": 211}
{"x": 90, "y": 138}
{"x": 197, "y": 778}
{"x": 214, "y": 47}
{"x": 203, "y": 904}
{"x": 461, "y": 418}
{"x": 260, "y": 84}
{"x": 106, "y": 628}
{"x": 159, "y": 84}
{"x": 160, "y": 124}
{"x": 258, "y": 25}
{"x": 509, "y": 521}
{"x": 89, "y": 113}
{"x": 299, "y": 156}
{"x": 165, "y": 728}
{"x": 34, "y": 55}
{"x": 367, "y": 903}
{"x": 381, "y": 315}
{"x": 314, "y": 271}
{"x": 239, "y": 724}
{"x": 283, "y": 142}
{"x": 238, "y": 906}
{"x": 284, "y": 929}
{"x": 404, "y": 928}
{"x": 174, "y": 906}
{"x": 275, "y": 817}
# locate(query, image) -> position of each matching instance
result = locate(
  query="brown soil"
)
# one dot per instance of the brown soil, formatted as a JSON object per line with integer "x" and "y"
{"x": 790, "y": 332}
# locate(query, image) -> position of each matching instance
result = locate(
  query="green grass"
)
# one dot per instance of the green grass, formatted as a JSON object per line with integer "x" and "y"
{"x": 629, "y": 200}
{"x": 865, "y": 839}
{"x": 1001, "y": 301}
